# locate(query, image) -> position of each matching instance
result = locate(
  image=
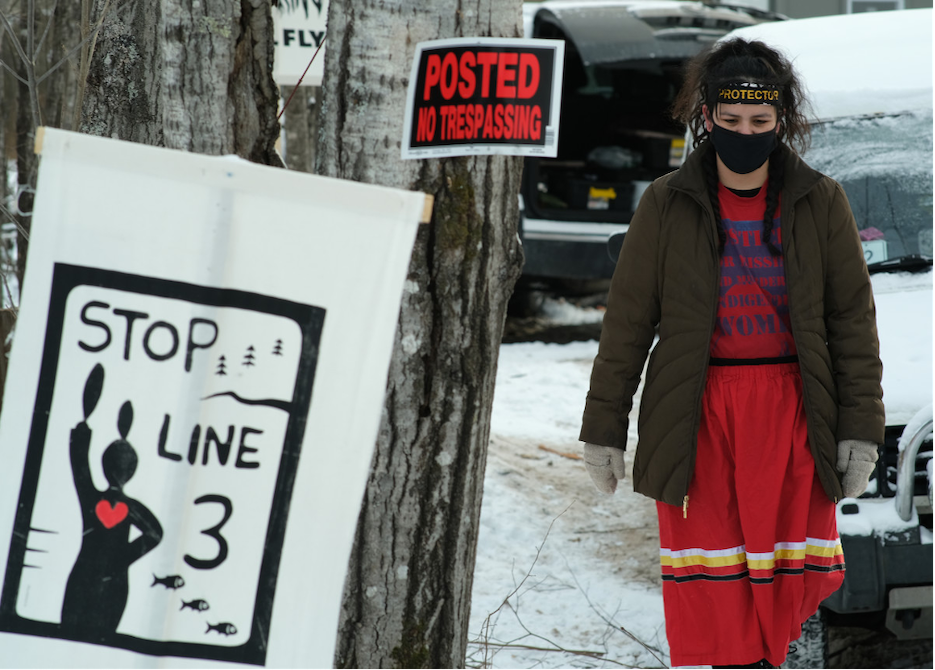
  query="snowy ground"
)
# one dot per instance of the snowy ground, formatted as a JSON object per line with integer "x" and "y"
{"x": 567, "y": 577}
{"x": 578, "y": 569}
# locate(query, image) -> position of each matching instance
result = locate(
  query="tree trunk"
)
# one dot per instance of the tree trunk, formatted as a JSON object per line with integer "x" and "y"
{"x": 59, "y": 90}
{"x": 300, "y": 125}
{"x": 49, "y": 35}
{"x": 45, "y": 31}
{"x": 194, "y": 75}
{"x": 408, "y": 591}
{"x": 27, "y": 167}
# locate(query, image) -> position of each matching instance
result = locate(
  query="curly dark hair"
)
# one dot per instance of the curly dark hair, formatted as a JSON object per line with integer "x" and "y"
{"x": 734, "y": 60}
{"x": 739, "y": 60}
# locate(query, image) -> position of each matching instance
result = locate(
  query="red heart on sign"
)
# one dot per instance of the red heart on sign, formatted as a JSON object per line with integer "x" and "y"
{"x": 111, "y": 515}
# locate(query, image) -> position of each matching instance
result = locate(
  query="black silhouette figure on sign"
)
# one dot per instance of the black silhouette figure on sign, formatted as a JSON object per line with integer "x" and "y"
{"x": 170, "y": 582}
{"x": 97, "y": 588}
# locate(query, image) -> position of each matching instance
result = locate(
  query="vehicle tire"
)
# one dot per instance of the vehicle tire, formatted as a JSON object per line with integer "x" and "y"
{"x": 810, "y": 650}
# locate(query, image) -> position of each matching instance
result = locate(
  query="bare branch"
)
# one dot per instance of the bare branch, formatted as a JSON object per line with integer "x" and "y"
{"x": 30, "y": 28}
{"x": 71, "y": 52}
{"x": 11, "y": 71}
{"x": 613, "y": 624}
{"x": 19, "y": 47}
{"x": 45, "y": 33}
{"x": 9, "y": 215}
{"x": 13, "y": 307}
{"x": 532, "y": 648}
{"x": 485, "y": 626}
{"x": 560, "y": 648}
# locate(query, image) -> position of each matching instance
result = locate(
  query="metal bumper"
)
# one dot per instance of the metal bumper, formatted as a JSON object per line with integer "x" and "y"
{"x": 891, "y": 570}
{"x": 567, "y": 249}
{"x": 921, "y": 426}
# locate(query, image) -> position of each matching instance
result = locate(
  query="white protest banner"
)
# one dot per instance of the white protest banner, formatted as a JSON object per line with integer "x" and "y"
{"x": 194, "y": 393}
{"x": 299, "y": 27}
{"x": 484, "y": 95}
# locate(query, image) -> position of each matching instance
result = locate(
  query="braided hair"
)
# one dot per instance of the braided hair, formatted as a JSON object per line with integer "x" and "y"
{"x": 777, "y": 168}
{"x": 734, "y": 60}
{"x": 710, "y": 172}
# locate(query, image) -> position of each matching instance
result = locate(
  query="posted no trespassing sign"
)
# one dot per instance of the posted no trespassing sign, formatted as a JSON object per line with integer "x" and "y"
{"x": 471, "y": 96}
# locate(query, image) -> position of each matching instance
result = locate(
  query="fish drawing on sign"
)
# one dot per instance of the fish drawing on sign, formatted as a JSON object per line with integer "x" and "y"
{"x": 196, "y": 605}
{"x": 98, "y": 586}
{"x": 222, "y": 628}
{"x": 170, "y": 582}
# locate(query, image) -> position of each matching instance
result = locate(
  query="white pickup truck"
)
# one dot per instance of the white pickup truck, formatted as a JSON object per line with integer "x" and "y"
{"x": 870, "y": 80}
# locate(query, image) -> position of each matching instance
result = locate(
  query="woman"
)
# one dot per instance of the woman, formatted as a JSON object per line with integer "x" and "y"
{"x": 762, "y": 405}
{"x": 98, "y": 587}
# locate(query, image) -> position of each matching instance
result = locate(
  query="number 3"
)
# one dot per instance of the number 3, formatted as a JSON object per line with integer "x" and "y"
{"x": 213, "y": 532}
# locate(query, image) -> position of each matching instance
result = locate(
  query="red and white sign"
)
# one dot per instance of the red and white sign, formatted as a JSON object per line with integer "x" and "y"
{"x": 473, "y": 96}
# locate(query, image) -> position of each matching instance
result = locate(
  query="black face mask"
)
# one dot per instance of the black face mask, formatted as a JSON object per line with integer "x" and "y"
{"x": 742, "y": 153}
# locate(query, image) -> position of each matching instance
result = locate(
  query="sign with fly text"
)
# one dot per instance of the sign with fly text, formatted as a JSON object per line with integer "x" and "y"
{"x": 194, "y": 393}
{"x": 473, "y": 96}
{"x": 299, "y": 28}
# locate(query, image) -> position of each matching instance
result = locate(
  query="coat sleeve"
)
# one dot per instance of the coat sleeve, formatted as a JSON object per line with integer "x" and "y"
{"x": 629, "y": 326}
{"x": 850, "y": 318}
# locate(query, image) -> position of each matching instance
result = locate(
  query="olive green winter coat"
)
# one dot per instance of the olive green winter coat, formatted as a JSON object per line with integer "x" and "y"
{"x": 668, "y": 274}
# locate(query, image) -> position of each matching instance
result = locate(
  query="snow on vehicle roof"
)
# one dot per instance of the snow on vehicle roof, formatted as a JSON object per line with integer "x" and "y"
{"x": 904, "y": 324}
{"x": 856, "y": 64}
{"x": 638, "y": 7}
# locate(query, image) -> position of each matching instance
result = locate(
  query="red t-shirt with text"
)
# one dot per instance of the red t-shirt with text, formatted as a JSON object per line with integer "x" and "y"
{"x": 753, "y": 308}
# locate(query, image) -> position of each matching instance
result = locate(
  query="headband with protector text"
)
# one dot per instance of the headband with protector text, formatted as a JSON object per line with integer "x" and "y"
{"x": 748, "y": 93}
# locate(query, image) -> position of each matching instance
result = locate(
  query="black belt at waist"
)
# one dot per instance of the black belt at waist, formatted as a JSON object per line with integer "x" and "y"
{"x": 754, "y": 361}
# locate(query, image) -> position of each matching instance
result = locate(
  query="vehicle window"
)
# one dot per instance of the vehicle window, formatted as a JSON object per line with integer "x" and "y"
{"x": 884, "y": 164}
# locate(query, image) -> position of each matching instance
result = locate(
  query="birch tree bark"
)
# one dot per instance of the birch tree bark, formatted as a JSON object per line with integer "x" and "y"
{"x": 407, "y": 596}
{"x": 194, "y": 75}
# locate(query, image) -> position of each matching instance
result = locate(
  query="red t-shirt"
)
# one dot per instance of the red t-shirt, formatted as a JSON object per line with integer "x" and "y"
{"x": 753, "y": 310}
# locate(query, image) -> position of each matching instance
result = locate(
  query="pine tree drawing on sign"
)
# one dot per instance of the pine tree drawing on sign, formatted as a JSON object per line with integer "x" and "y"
{"x": 249, "y": 358}
{"x": 277, "y": 348}
{"x": 222, "y": 366}
{"x": 292, "y": 5}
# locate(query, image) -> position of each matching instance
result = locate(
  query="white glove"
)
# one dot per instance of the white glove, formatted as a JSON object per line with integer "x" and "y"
{"x": 604, "y": 465}
{"x": 856, "y": 459}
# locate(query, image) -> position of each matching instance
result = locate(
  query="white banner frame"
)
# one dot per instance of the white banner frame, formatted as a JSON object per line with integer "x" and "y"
{"x": 120, "y": 219}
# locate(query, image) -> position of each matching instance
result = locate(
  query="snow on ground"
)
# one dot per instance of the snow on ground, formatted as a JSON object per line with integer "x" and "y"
{"x": 594, "y": 588}
{"x": 559, "y": 311}
{"x": 569, "y": 577}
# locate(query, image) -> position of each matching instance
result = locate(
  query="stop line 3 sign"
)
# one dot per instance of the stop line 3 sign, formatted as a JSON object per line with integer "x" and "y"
{"x": 193, "y": 399}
